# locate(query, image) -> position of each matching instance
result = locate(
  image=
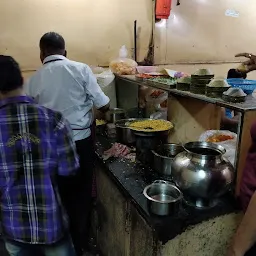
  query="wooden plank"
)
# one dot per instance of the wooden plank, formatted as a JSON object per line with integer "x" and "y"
{"x": 112, "y": 210}
{"x": 244, "y": 143}
{"x": 191, "y": 118}
{"x": 249, "y": 104}
{"x": 142, "y": 232}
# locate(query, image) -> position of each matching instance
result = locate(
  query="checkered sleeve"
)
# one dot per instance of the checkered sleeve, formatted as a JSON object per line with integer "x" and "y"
{"x": 66, "y": 148}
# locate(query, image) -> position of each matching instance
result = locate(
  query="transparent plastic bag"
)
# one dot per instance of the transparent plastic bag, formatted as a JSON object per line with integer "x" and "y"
{"x": 156, "y": 100}
{"x": 143, "y": 92}
{"x": 105, "y": 78}
{"x": 123, "y": 65}
{"x": 97, "y": 70}
{"x": 229, "y": 145}
{"x": 153, "y": 101}
{"x": 159, "y": 115}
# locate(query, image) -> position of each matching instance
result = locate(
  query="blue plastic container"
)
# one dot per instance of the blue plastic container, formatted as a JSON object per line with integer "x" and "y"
{"x": 248, "y": 86}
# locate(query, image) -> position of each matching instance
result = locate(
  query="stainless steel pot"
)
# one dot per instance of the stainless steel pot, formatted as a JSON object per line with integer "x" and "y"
{"x": 124, "y": 134}
{"x": 115, "y": 114}
{"x": 146, "y": 142}
{"x": 163, "y": 157}
{"x": 201, "y": 171}
{"x": 101, "y": 129}
{"x": 163, "y": 198}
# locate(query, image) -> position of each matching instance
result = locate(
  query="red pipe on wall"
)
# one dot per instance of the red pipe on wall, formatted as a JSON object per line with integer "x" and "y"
{"x": 163, "y": 9}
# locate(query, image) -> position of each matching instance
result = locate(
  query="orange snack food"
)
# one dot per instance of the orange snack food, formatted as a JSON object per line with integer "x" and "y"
{"x": 156, "y": 93}
{"x": 164, "y": 104}
{"x": 144, "y": 76}
{"x": 219, "y": 138}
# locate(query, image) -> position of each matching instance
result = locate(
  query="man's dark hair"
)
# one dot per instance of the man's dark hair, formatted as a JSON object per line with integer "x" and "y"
{"x": 52, "y": 42}
{"x": 234, "y": 73}
{"x": 10, "y": 74}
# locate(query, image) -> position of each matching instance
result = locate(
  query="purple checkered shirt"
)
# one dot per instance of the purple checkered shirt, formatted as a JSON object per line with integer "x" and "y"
{"x": 36, "y": 146}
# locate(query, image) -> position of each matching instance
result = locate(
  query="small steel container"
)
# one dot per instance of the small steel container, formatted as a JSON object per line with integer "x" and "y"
{"x": 163, "y": 198}
{"x": 115, "y": 114}
{"x": 163, "y": 157}
{"x": 124, "y": 134}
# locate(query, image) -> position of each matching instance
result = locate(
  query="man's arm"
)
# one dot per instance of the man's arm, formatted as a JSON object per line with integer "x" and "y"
{"x": 245, "y": 236}
{"x": 68, "y": 161}
{"x": 100, "y": 100}
{"x": 250, "y": 63}
{"x": 105, "y": 108}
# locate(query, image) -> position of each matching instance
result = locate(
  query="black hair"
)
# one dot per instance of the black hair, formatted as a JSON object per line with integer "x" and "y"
{"x": 52, "y": 42}
{"x": 234, "y": 73}
{"x": 10, "y": 74}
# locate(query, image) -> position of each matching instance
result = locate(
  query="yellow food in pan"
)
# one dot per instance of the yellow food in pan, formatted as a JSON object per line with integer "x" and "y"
{"x": 151, "y": 125}
{"x": 100, "y": 122}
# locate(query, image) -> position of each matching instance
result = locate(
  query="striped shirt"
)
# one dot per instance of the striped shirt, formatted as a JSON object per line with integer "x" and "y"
{"x": 36, "y": 146}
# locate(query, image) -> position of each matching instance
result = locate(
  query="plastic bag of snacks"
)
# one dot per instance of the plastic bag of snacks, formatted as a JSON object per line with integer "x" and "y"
{"x": 226, "y": 139}
{"x": 156, "y": 97}
{"x": 123, "y": 65}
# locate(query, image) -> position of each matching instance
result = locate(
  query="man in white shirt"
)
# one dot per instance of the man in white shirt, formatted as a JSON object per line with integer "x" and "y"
{"x": 71, "y": 88}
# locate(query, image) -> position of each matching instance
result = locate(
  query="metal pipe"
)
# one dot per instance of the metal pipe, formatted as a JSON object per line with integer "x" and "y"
{"x": 135, "y": 40}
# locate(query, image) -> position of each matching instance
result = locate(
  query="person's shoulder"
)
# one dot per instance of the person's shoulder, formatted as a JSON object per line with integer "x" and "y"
{"x": 78, "y": 65}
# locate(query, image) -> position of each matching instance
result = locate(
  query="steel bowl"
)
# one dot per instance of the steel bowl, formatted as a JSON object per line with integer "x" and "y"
{"x": 115, "y": 114}
{"x": 124, "y": 134}
{"x": 163, "y": 198}
{"x": 163, "y": 157}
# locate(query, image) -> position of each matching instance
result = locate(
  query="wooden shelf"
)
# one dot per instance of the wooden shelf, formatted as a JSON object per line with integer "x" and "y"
{"x": 249, "y": 104}
{"x": 192, "y": 114}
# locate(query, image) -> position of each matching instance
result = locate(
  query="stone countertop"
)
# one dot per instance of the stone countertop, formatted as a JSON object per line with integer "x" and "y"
{"x": 132, "y": 178}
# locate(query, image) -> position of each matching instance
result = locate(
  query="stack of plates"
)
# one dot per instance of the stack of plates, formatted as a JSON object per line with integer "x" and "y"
{"x": 199, "y": 80}
{"x": 183, "y": 84}
{"x": 216, "y": 87}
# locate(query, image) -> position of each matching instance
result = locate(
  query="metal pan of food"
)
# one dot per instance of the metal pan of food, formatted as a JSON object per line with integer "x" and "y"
{"x": 150, "y": 127}
{"x": 100, "y": 126}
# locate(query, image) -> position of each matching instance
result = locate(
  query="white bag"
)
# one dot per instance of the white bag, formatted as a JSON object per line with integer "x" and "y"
{"x": 229, "y": 145}
{"x": 97, "y": 70}
{"x": 105, "y": 78}
{"x": 159, "y": 115}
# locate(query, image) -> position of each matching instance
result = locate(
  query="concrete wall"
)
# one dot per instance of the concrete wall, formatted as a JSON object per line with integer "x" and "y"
{"x": 197, "y": 31}
{"x": 94, "y": 30}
